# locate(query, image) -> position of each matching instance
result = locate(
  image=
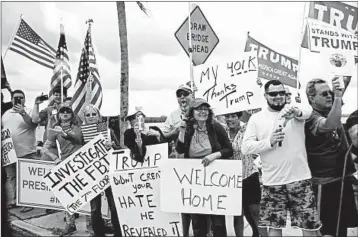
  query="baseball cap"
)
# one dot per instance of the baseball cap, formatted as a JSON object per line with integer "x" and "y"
{"x": 198, "y": 102}
{"x": 184, "y": 88}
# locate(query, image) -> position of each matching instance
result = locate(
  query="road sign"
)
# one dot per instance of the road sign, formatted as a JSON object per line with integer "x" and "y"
{"x": 203, "y": 37}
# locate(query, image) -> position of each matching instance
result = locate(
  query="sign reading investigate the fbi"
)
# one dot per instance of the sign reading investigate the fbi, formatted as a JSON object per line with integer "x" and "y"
{"x": 8, "y": 155}
{"x": 192, "y": 188}
{"x": 32, "y": 190}
{"x": 203, "y": 37}
{"x": 82, "y": 176}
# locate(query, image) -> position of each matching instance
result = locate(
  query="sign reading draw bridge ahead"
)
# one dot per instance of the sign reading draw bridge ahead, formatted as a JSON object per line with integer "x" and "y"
{"x": 203, "y": 37}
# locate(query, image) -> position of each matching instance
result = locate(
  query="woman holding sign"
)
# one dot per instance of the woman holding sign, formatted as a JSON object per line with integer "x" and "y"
{"x": 251, "y": 191}
{"x": 69, "y": 136}
{"x": 201, "y": 137}
{"x": 92, "y": 116}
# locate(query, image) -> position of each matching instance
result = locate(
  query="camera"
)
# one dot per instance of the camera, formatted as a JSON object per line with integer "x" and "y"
{"x": 17, "y": 100}
{"x": 43, "y": 97}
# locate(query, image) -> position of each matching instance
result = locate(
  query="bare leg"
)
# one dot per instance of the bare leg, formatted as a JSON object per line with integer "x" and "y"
{"x": 239, "y": 225}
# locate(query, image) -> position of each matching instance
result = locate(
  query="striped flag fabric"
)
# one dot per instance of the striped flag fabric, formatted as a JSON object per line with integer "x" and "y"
{"x": 30, "y": 45}
{"x": 87, "y": 68}
{"x": 92, "y": 130}
{"x": 62, "y": 66}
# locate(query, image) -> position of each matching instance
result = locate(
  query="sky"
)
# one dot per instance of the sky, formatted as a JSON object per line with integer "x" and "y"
{"x": 157, "y": 62}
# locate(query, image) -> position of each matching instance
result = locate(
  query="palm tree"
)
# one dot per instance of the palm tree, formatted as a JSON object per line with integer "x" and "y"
{"x": 122, "y": 28}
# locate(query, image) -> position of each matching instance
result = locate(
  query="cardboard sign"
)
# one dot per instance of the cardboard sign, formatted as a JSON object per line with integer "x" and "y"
{"x": 136, "y": 191}
{"x": 273, "y": 65}
{"x": 231, "y": 86}
{"x": 8, "y": 155}
{"x": 192, "y": 188}
{"x": 32, "y": 191}
{"x": 82, "y": 176}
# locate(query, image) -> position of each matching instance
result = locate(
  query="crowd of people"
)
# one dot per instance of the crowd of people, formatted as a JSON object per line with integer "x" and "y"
{"x": 296, "y": 157}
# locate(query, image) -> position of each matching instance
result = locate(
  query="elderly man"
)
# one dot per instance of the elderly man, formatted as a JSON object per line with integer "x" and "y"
{"x": 327, "y": 146}
{"x": 277, "y": 134}
{"x": 22, "y": 130}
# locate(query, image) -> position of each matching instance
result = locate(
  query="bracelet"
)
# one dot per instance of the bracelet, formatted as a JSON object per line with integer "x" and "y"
{"x": 23, "y": 114}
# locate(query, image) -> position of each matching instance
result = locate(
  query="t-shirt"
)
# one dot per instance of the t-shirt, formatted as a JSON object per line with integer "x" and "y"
{"x": 326, "y": 151}
{"x": 22, "y": 134}
{"x": 200, "y": 144}
{"x": 280, "y": 165}
{"x": 173, "y": 119}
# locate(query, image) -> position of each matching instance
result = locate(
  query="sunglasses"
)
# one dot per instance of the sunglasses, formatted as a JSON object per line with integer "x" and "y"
{"x": 275, "y": 93}
{"x": 288, "y": 94}
{"x": 65, "y": 111}
{"x": 326, "y": 93}
{"x": 91, "y": 114}
{"x": 182, "y": 93}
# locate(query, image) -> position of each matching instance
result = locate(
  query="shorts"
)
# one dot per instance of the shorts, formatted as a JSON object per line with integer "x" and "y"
{"x": 251, "y": 190}
{"x": 296, "y": 197}
{"x": 330, "y": 196}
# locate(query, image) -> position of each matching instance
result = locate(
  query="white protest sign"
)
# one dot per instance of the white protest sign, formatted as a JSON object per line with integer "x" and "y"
{"x": 32, "y": 191}
{"x": 82, "y": 176}
{"x": 192, "y": 188}
{"x": 231, "y": 86}
{"x": 8, "y": 155}
{"x": 338, "y": 47}
{"x": 136, "y": 191}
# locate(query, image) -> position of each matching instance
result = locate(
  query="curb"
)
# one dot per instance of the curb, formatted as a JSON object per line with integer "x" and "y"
{"x": 29, "y": 228}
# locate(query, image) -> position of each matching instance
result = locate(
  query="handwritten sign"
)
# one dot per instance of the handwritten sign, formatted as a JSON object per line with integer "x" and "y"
{"x": 8, "y": 155}
{"x": 136, "y": 191}
{"x": 273, "y": 65}
{"x": 82, "y": 176}
{"x": 191, "y": 188}
{"x": 231, "y": 86}
{"x": 33, "y": 192}
{"x": 337, "y": 47}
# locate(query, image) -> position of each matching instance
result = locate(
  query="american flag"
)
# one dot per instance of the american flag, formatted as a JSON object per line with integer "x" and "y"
{"x": 92, "y": 130}
{"x": 62, "y": 66}
{"x": 87, "y": 67}
{"x": 30, "y": 45}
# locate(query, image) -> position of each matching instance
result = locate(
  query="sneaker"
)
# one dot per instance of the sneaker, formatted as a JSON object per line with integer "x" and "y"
{"x": 108, "y": 229}
{"x": 77, "y": 215}
{"x": 69, "y": 229}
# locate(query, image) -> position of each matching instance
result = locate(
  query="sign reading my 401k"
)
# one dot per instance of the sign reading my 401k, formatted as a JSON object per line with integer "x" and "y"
{"x": 203, "y": 37}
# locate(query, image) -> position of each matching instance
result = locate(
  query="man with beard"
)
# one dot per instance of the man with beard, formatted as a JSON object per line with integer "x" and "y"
{"x": 171, "y": 132}
{"x": 277, "y": 134}
{"x": 327, "y": 146}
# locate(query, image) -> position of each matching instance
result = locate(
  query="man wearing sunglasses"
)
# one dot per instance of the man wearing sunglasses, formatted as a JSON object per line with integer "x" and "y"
{"x": 327, "y": 145}
{"x": 171, "y": 132}
{"x": 285, "y": 171}
{"x": 22, "y": 130}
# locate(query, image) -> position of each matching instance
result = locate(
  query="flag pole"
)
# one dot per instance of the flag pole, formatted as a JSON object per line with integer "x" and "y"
{"x": 300, "y": 53}
{"x": 191, "y": 53}
{"x": 12, "y": 36}
{"x": 61, "y": 58}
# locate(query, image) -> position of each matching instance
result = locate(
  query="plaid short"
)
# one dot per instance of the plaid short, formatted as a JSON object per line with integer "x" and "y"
{"x": 296, "y": 197}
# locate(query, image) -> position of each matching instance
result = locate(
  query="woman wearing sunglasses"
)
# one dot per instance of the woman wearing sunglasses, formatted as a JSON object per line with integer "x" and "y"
{"x": 201, "y": 137}
{"x": 92, "y": 115}
{"x": 251, "y": 191}
{"x": 68, "y": 134}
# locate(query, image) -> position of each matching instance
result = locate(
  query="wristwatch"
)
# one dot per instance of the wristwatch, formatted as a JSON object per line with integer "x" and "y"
{"x": 23, "y": 114}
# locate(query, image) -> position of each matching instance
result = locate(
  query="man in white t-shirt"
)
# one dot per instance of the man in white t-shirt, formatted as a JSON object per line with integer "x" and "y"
{"x": 18, "y": 120}
{"x": 277, "y": 134}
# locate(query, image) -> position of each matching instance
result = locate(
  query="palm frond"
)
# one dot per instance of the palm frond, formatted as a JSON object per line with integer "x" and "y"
{"x": 143, "y": 8}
